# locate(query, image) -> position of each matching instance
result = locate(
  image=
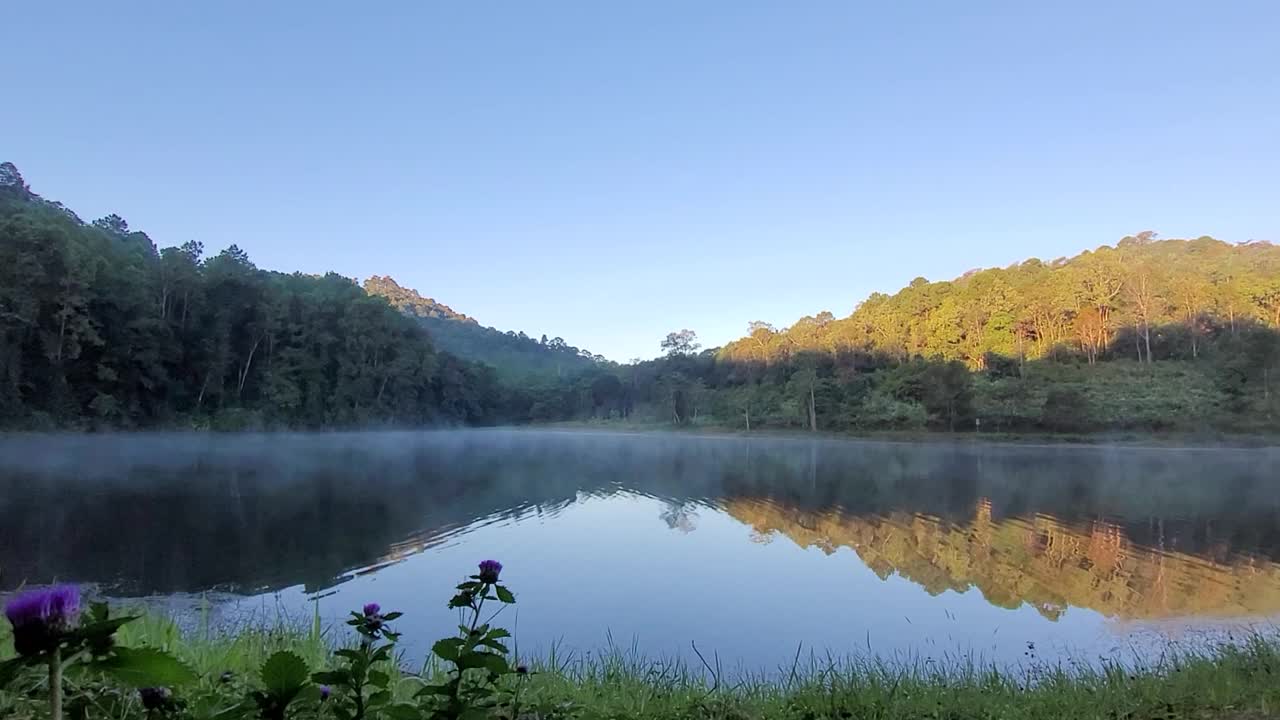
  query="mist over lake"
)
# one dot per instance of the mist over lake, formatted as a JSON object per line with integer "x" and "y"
{"x": 747, "y": 547}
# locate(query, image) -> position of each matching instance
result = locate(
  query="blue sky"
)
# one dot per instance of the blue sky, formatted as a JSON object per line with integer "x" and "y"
{"x": 610, "y": 171}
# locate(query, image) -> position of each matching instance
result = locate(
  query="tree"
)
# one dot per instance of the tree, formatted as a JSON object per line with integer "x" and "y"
{"x": 112, "y": 224}
{"x": 683, "y": 342}
{"x": 99, "y": 329}
{"x": 606, "y": 394}
{"x": 803, "y": 385}
{"x": 1142, "y": 291}
{"x": 11, "y": 180}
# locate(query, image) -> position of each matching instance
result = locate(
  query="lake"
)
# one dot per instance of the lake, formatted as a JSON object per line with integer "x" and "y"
{"x": 748, "y": 547}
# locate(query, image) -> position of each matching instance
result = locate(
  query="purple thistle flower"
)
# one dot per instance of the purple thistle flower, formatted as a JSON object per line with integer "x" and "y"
{"x": 155, "y": 698}
{"x": 55, "y": 606}
{"x": 489, "y": 570}
{"x": 39, "y": 618}
{"x": 372, "y": 609}
{"x": 324, "y": 692}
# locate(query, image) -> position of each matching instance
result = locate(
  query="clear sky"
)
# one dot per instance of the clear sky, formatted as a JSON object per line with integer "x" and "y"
{"x": 610, "y": 171}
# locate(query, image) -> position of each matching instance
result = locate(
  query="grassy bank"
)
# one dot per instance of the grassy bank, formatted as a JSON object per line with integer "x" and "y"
{"x": 1229, "y": 681}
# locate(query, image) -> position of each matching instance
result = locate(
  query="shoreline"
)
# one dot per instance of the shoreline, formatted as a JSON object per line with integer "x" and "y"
{"x": 1126, "y": 440}
{"x": 1137, "y": 441}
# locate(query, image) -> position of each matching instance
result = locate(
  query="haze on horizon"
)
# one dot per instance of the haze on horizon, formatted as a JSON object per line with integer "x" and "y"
{"x": 611, "y": 174}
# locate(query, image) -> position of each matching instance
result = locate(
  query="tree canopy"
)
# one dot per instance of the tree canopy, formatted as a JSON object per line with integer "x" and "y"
{"x": 101, "y": 328}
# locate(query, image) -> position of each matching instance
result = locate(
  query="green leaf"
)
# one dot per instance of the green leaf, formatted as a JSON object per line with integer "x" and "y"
{"x": 492, "y": 662}
{"x": 105, "y": 627}
{"x": 9, "y": 670}
{"x": 309, "y": 694}
{"x": 495, "y": 663}
{"x": 377, "y": 678}
{"x": 495, "y": 645}
{"x": 284, "y": 674}
{"x": 498, "y": 634}
{"x": 392, "y": 616}
{"x": 382, "y": 697}
{"x": 98, "y": 612}
{"x": 504, "y": 594}
{"x": 434, "y": 690}
{"x": 447, "y": 649}
{"x": 332, "y": 677}
{"x": 402, "y": 711}
{"x": 145, "y": 667}
{"x": 382, "y": 652}
{"x": 348, "y": 654}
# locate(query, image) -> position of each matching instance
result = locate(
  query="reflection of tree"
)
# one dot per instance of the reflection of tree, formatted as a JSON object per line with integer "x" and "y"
{"x": 249, "y": 513}
{"x": 680, "y": 516}
{"x": 1038, "y": 561}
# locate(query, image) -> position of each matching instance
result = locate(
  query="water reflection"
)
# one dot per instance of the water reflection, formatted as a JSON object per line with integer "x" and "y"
{"x": 1128, "y": 533}
{"x": 1038, "y": 561}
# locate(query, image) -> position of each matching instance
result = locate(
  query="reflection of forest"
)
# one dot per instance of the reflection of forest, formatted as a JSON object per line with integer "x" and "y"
{"x": 1039, "y": 561}
{"x": 247, "y": 513}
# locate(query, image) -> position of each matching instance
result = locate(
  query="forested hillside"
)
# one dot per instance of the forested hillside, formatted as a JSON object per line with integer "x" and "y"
{"x": 1144, "y": 299}
{"x": 518, "y": 358}
{"x": 99, "y": 328}
{"x": 1147, "y": 335}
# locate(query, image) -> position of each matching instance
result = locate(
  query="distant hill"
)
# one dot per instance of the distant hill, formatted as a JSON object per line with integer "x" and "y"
{"x": 514, "y": 355}
{"x": 1144, "y": 299}
{"x": 1146, "y": 335}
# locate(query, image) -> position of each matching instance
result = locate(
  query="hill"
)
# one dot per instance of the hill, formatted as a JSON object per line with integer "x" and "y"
{"x": 100, "y": 328}
{"x": 1145, "y": 299}
{"x": 516, "y": 357}
{"x": 1146, "y": 335}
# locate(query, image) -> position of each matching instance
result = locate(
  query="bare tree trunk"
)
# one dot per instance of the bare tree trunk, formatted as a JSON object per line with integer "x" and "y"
{"x": 62, "y": 331}
{"x": 813, "y": 412}
{"x": 747, "y": 414}
{"x": 1146, "y": 335}
{"x": 203, "y": 387}
{"x": 244, "y": 373}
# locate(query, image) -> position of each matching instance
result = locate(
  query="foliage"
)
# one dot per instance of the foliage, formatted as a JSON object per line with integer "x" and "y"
{"x": 85, "y": 652}
{"x": 477, "y": 657}
{"x": 98, "y": 328}
{"x": 356, "y": 685}
{"x": 518, "y": 359}
{"x": 1234, "y": 680}
{"x": 1151, "y": 336}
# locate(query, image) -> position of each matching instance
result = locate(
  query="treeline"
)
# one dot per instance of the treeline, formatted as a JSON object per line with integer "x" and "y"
{"x": 1148, "y": 335}
{"x": 98, "y": 328}
{"x": 1144, "y": 299}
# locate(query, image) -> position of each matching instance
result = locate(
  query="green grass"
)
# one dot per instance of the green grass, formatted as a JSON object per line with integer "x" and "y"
{"x": 1240, "y": 681}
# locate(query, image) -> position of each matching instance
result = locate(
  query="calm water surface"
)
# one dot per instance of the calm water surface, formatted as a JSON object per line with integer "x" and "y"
{"x": 748, "y": 547}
